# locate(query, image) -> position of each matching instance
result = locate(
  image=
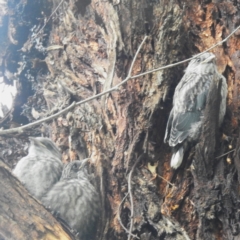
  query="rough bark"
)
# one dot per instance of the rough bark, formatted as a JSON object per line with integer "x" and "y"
{"x": 86, "y": 48}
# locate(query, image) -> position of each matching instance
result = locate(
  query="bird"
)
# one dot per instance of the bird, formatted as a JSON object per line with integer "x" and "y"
{"x": 189, "y": 101}
{"x": 75, "y": 200}
{"x": 41, "y": 168}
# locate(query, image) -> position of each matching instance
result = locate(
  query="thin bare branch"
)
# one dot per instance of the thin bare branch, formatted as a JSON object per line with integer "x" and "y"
{"x": 131, "y": 195}
{"x": 119, "y": 217}
{"x": 166, "y": 181}
{"x": 225, "y": 153}
{"x": 47, "y": 20}
{"x": 20, "y": 129}
{"x": 135, "y": 57}
{"x": 189, "y": 59}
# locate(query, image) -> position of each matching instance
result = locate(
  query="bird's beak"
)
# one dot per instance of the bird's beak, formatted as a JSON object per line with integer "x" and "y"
{"x": 208, "y": 59}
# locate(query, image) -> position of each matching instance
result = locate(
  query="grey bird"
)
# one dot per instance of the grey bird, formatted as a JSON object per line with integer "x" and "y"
{"x": 41, "y": 168}
{"x": 75, "y": 200}
{"x": 189, "y": 101}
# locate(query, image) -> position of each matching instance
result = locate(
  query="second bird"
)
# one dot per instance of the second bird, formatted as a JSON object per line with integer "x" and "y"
{"x": 75, "y": 200}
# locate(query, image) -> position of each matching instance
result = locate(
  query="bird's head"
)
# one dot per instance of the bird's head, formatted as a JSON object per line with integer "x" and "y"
{"x": 74, "y": 169}
{"x": 41, "y": 145}
{"x": 203, "y": 64}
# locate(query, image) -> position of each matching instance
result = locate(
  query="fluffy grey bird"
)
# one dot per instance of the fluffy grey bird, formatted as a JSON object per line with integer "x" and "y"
{"x": 75, "y": 200}
{"x": 41, "y": 168}
{"x": 189, "y": 101}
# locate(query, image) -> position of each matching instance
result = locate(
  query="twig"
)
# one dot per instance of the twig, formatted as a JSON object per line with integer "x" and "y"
{"x": 166, "y": 180}
{"x": 131, "y": 67}
{"x": 119, "y": 216}
{"x": 189, "y": 59}
{"x": 19, "y": 130}
{"x": 225, "y": 153}
{"x": 135, "y": 57}
{"x": 131, "y": 195}
{"x": 47, "y": 20}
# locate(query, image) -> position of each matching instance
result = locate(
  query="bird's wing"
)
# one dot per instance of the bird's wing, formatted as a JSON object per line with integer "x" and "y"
{"x": 181, "y": 126}
{"x": 224, "y": 91}
{"x": 180, "y": 86}
{"x": 189, "y": 101}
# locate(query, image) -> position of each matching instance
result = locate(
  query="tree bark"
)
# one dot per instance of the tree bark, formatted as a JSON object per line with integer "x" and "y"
{"x": 86, "y": 48}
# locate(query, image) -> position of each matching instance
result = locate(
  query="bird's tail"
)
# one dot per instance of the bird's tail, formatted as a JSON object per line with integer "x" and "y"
{"x": 177, "y": 158}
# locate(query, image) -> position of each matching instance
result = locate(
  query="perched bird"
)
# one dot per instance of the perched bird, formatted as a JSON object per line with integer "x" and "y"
{"x": 189, "y": 101}
{"x": 41, "y": 168}
{"x": 75, "y": 200}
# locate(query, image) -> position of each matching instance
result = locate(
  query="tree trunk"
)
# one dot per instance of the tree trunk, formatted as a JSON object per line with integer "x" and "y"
{"x": 68, "y": 52}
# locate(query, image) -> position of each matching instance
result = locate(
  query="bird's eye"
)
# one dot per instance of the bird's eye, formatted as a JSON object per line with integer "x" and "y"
{"x": 198, "y": 59}
{"x": 75, "y": 167}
